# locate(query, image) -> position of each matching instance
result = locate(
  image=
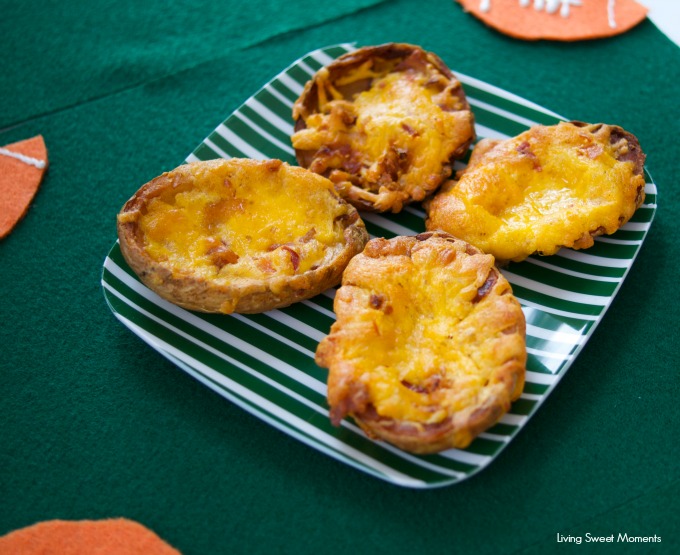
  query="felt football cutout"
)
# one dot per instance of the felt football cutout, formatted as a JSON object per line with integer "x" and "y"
{"x": 562, "y": 20}
{"x": 117, "y": 536}
{"x": 22, "y": 168}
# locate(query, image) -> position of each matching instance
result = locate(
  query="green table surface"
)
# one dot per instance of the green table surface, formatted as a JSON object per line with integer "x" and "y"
{"x": 95, "y": 424}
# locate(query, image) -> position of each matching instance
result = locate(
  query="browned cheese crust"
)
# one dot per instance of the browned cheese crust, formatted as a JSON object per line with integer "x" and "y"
{"x": 428, "y": 349}
{"x": 239, "y": 235}
{"x": 549, "y": 187}
{"x": 384, "y": 123}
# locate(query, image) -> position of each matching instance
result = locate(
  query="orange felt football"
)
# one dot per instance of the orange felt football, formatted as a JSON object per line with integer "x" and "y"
{"x": 563, "y": 20}
{"x": 22, "y": 167}
{"x": 118, "y": 536}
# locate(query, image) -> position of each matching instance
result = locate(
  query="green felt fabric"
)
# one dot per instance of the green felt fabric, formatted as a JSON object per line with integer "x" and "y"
{"x": 64, "y": 54}
{"x": 95, "y": 424}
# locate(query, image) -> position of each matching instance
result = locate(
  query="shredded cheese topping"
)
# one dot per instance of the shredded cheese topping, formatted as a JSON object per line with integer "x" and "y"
{"x": 245, "y": 222}
{"x": 414, "y": 335}
{"x": 398, "y": 134}
{"x": 547, "y": 188}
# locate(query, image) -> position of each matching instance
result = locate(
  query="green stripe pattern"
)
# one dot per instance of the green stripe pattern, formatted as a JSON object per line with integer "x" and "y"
{"x": 264, "y": 363}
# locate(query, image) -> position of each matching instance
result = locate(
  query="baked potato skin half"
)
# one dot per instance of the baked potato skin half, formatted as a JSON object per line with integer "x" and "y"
{"x": 428, "y": 349}
{"x": 238, "y": 235}
{"x": 384, "y": 123}
{"x": 548, "y": 188}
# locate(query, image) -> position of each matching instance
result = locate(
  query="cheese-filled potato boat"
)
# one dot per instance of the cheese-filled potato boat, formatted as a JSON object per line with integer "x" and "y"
{"x": 384, "y": 123}
{"x": 428, "y": 349}
{"x": 547, "y": 188}
{"x": 239, "y": 235}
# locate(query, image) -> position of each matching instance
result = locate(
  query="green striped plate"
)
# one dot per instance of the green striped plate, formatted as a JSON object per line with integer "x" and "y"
{"x": 265, "y": 362}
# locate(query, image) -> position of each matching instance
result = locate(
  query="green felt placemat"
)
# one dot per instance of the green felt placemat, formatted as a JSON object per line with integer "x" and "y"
{"x": 96, "y": 424}
{"x": 65, "y": 53}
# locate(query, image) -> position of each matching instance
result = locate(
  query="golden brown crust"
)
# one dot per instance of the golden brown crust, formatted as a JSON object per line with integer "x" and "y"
{"x": 428, "y": 349}
{"x": 384, "y": 123}
{"x": 226, "y": 278}
{"x": 549, "y": 187}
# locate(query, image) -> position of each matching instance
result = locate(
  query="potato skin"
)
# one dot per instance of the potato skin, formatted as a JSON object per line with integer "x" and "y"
{"x": 184, "y": 287}
{"x": 376, "y": 165}
{"x": 547, "y": 188}
{"x": 373, "y": 310}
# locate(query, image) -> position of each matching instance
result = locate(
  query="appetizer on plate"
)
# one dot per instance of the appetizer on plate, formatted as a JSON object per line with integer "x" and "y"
{"x": 428, "y": 349}
{"x": 239, "y": 235}
{"x": 384, "y": 124}
{"x": 547, "y": 188}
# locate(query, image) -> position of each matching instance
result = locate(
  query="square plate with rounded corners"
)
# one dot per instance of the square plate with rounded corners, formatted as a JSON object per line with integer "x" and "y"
{"x": 265, "y": 362}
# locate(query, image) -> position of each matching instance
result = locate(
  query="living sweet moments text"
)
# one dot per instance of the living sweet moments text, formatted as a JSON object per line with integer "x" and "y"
{"x": 620, "y": 537}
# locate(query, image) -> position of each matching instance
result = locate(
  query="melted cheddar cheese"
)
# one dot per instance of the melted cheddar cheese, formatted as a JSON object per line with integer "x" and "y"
{"x": 395, "y": 138}
{"x": 244, "y": 221}
{"x": 544, "y": 189}
{"x": 397, "y": 112}
{"x": 412, "y": 332}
